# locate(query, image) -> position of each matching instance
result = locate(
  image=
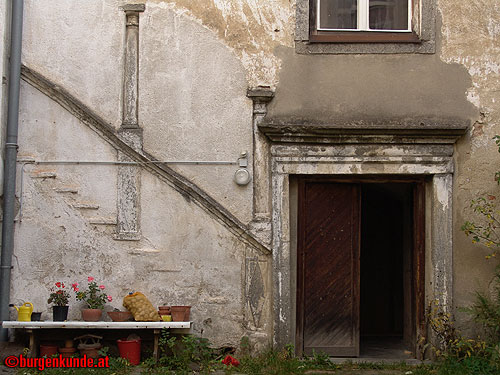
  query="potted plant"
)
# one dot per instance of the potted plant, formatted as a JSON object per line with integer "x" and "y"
{"x": 59, "y": 298}
{"x": 95, "y": 298}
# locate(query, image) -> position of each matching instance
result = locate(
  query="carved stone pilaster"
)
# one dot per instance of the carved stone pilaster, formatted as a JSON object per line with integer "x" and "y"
{"x": 261, "y": 223}
{"x": 128, "y": 201}
{"x": 131, "y": 66}
{"x": 129, "y": 176}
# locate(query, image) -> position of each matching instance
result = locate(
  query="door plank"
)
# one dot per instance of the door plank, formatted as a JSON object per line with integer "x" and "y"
{"x": 328, "y": 269}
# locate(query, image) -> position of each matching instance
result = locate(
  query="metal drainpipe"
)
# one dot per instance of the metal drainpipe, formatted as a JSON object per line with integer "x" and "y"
{"x": 9, "y": 185}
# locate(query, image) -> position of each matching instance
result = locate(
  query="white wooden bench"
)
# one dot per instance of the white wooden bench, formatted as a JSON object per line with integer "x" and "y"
{"x": 33, "y": 327}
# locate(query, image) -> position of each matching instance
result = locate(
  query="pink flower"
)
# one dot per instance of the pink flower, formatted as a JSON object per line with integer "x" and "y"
{"x": 110, "y": 299}
{"x": 101, "y": 286}
{"x": 90, "y": 279}
{"x": 75, "y": 287}
{"x": 58, "y": 284}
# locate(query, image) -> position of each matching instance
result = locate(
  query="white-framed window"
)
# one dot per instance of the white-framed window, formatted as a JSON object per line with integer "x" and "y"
{"x": 364, "y": 15}
{"x": 365, "y": 26}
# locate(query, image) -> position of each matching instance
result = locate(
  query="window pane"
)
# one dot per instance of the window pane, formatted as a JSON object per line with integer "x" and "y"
{"x": 389, "y": 14}
{"x": 338, "y": 14}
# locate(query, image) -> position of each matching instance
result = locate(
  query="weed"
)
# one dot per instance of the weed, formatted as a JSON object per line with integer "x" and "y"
{"x": 319, "y": 360}
{"x": 460, "y": 355}
{"x": 486, "y": 310}
{"x": 190, "y": 353}
{"x": 245, "y": 346}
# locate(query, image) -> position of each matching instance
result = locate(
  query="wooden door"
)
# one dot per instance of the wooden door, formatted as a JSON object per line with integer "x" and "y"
{"x": 328, "y": 268}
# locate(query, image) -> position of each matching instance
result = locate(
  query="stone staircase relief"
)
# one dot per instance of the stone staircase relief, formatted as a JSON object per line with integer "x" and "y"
{"x": 128, "y": 151}
{"x": 49, "y": 183}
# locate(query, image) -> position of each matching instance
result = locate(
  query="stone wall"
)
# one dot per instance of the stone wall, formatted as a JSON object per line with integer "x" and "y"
{"x": 203, "y": 239}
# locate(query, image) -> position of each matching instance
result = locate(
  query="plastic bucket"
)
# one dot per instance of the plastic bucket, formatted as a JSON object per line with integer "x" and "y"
{"x": 131, "y": 350}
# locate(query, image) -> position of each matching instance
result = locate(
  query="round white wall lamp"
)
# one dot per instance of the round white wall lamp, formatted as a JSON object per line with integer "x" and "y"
{"x": 242, "y": 176}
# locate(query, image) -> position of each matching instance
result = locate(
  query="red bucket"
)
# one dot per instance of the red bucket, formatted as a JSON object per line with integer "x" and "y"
{"x": 131, "y": 350}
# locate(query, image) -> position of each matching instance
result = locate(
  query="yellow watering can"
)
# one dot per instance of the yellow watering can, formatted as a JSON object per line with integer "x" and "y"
{"x": 24, "y": 312}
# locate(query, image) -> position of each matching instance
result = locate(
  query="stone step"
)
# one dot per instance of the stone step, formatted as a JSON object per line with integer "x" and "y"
{"x": 66, "y": 189}
{"x": 102, "y": 220}
{"x": 85, "y": 205}
{"x": 43, "y": 174}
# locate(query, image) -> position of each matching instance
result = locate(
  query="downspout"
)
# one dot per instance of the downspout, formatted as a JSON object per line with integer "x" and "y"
{"x": 9, "y": 184}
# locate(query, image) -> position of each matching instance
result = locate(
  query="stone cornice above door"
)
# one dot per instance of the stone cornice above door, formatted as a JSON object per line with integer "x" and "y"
{"x": 393, "y": 131}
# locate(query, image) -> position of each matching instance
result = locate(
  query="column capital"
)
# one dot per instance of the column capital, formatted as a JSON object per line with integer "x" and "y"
{"x": 133, "y": 8}
{"x": 260, "y": 94}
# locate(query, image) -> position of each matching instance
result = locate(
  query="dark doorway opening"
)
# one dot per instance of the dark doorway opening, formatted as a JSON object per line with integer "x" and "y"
{"x": 386, "y": 270}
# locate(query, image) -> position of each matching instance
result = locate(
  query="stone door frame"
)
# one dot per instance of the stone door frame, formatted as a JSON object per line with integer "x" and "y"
{"x": 360, "y": 151}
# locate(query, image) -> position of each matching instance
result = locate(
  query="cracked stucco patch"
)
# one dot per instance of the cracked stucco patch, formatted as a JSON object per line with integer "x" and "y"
{"x": 252, "y": 29}
{"x": 470, "y": 33}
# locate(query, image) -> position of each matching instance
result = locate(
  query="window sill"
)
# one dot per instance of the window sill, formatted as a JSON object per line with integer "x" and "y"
{"x": 363, "y": 37}
{"x": 318, "y": 47}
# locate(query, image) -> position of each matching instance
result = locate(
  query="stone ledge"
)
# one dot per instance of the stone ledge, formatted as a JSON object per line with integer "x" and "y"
{"x": 362, "y": 131}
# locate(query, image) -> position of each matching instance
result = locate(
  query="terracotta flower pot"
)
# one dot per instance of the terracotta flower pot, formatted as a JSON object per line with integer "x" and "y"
{"x": 164, "y": 310}
{"x": 68, "y": 343}
{"x": 91, "y": 315}
{"x": 67, "y": 352}
{"x": 119, "y": 316}
{"x": 180, "y": 313}
{"x": 48, "y": 350}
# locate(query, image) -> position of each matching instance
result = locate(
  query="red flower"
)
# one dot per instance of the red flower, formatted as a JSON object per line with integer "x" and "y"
{"x": 230, "y": 361}
{"x": 75, "y": 287}
{"x": 101, "y": 287}
{"x": 90, "y": 279}
{"x": 58, "y": 284}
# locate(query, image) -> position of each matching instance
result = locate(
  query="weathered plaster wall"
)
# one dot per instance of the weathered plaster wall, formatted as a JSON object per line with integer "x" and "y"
{"x": 470, "y": 33}
{"x": 79, "y": 45}
{"x": 329, "y": 88}
{"x": 251, "y": 28}
{"x": 47, "y": 132}
{"x": 196, "y": 61}
{"x": 193, "y": 104}
{"x": 185, "y": 256}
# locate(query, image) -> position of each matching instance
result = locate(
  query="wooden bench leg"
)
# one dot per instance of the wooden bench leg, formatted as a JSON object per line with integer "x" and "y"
{"x": 156, "y": 351}
{"x": 33, "y": 343}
